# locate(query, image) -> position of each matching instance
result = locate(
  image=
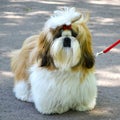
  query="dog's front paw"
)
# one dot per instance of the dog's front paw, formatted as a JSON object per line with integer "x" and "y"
{"x": 86, "y": 107}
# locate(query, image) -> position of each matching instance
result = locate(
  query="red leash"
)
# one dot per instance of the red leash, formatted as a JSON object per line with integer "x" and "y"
{"x": 109, "y": 48}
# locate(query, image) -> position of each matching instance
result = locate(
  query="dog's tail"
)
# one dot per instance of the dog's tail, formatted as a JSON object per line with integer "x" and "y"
{"x": 18, "y": 65}
{"x": 14, "y": 59}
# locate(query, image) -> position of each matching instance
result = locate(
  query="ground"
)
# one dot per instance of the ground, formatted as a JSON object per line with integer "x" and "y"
{"x": 22, "y": 18}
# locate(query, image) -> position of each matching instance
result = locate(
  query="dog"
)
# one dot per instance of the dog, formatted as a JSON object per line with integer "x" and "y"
{"x": 55, "y": 69}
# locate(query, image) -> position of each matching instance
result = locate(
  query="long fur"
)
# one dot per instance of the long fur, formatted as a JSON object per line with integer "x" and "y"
{"x": 58, "y": 91}
{"x": 54, "y": 77}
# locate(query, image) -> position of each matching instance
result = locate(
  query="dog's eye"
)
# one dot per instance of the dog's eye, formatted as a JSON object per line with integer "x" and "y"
{"x": 58, "y": 34}
{"x": 74, "y": 34}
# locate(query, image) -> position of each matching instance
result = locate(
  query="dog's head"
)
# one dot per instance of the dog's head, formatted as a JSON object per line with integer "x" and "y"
{"x": 65, "y": 45}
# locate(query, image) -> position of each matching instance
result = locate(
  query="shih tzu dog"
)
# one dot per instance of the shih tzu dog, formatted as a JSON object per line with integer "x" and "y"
{"x": 55, "y": 69}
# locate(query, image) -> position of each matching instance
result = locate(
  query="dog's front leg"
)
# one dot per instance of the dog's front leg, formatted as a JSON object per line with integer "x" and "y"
{"x": 86, "y": 107}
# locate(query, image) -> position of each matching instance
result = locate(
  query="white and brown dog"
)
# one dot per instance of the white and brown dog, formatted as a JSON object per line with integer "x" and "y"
{"x": 55, "y": 69}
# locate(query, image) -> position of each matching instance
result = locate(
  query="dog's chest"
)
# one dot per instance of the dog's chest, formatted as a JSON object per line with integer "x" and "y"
{"x": 55, "y": 84}
{"x": 52, "y": 89}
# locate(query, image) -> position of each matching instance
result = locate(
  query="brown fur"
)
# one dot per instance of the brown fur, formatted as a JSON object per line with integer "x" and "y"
{"x": 26, "y": 56}
{"x": 85, "y": 39}
{"x": 87, "y": 60}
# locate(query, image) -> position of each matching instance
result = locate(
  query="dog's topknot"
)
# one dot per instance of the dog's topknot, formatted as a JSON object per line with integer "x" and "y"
{"x": 63, "y": 16}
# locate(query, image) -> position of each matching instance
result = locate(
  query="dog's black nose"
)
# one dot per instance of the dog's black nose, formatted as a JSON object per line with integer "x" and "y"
{"x": 67, "y": 42}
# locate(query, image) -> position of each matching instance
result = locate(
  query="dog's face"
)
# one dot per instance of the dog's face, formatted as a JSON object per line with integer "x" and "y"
{"x": 65, "y": 42}
{"x": 66, "y": 47}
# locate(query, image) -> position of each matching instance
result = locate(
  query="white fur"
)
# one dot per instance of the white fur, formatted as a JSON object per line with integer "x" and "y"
{"x": 58, "y": 91}
{"x": 65, "y": 57}
{"x": 61, "y": 17}
{"x": 22, "y": 91}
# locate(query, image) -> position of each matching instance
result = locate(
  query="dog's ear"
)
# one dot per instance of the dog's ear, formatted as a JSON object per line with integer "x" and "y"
{"x": 43, "y": 50}
{"x": 87, "y": 56}
{"x": 44, "y": 61}
{"x": 87, "y": 59}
